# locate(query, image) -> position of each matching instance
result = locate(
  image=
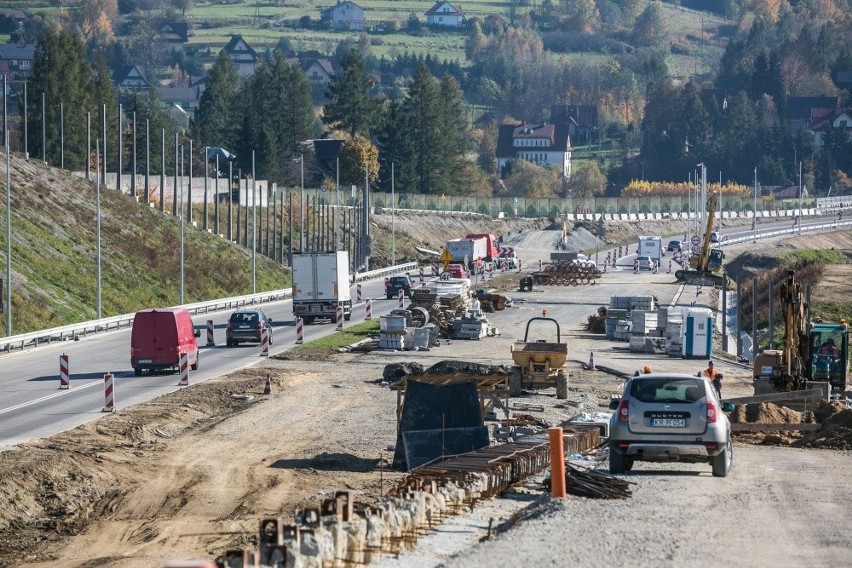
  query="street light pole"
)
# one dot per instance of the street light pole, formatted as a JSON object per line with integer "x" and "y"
{"x": 754, "y": 209}
{"x": 189, "y": 186}
{"x": 800, "y": 198}
{"x": 88, "y": 143}
{"x": 8, "y": 237}
{"x": 206, "y": 176}
{"x": 181, "y": 225}
{"x": 98, "y": 207}
{"x": 26, "y": 144}
{"x": 393, "y": 217}
{"x": 62, "y": 136}
{"x": 253, "y": 227}
{"x": 302, "y": 206}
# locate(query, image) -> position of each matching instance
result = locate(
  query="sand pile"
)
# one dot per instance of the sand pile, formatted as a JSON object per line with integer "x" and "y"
{"x": 764, "y": 413}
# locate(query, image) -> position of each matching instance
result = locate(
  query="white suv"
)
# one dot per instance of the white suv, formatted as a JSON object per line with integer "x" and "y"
{"x": 669, "y": 417}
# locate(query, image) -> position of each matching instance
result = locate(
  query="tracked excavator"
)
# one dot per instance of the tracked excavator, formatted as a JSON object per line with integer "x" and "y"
{"x": 812, "y": 351}
{"x": 704, "y": 267}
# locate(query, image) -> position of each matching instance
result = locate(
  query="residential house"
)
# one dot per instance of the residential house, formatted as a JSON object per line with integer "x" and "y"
{"x": 581, "y": 120}
{"x": 131, "y": 78}
{"x": 345, "y": 15}
{"x": 173, "y": 33}
{"x": 546, "y": 144}
{"x": 242, "y": 54}
{"x": 445, "y": 14}
{"x": 16, "y": 59}
{"x": 318, "y": 71}
{"x": 326, "y": 151}
{"x": 804, "y": 112}
{"x": 782, "y": 192}
{"x": 841, "y": 118}
{"x": 184, "y": 98}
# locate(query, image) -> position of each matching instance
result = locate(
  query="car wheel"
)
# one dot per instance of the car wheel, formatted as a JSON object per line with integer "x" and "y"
{"x": 616, "y": 462}
{"x": 389, "y": 297}
{"x": 137, "y": 371}
{"x": 194, "y": 366}
{"x": 628, "y": 464}
{"x": 269, "y": 335}
{"x": 722, "y": 462}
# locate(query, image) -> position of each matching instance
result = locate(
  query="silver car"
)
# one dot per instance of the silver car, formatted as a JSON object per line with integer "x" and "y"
{"x": 669, "y": 417}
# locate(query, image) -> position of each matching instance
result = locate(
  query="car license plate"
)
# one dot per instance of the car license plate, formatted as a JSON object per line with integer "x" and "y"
{"x": 145, "y": 360}
{"x": 244, "y": 326}
{"x": 668, "y": 422}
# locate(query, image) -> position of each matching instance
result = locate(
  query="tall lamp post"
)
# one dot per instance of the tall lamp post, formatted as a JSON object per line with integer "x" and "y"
{"x": 182, "y": 215}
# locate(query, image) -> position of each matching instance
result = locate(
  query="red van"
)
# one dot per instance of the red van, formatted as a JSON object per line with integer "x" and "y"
{"x": 159, "y": 337}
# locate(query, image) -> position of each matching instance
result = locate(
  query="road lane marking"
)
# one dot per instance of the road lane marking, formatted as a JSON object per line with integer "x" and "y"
{"x": 57, "y": 393}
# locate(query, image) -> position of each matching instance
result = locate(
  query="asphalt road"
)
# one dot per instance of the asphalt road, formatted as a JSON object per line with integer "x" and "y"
{"x": 32, "y": 406}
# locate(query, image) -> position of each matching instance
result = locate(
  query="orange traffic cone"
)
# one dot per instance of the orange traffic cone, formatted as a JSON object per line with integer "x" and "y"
{"x": 592, "y": 361}
{"x": 267, "y": 388}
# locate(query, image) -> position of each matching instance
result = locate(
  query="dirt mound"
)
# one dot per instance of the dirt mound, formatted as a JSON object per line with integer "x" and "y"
{"x": 764, "y": 413}
{"x": 842, "y": 419}
{"x": 832, "y": 437}
{"x": 828, "y": 409}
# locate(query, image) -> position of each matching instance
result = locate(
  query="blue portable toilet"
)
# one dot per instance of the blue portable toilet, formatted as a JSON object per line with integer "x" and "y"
{"x": 698, "y": 333}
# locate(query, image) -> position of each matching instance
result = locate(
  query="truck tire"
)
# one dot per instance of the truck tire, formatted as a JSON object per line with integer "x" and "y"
{"x": 137, "y": 371}
{"x": 562, "y": 385}
{"x": 308, "y": 320}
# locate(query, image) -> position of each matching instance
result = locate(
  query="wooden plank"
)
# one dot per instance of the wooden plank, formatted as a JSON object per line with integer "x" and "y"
{"x": 778, "y": 396}
{"x": 751, "y": 427}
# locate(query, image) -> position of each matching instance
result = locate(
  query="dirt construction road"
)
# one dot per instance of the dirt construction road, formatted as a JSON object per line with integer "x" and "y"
{"x": 191, "y": 473}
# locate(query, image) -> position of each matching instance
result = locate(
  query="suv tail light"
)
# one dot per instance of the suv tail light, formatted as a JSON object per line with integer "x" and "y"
{"x": 712, "y": 412}
{"x": 623, "y": 411}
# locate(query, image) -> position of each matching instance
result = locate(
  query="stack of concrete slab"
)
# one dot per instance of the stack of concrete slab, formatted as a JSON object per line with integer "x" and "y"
{"x": 613, "y": 317}
{"x": 470, "y": 325}
{"x": 631, "y": 303}
{"x": 392, "y": 332}
{"x": 622, "y": 331}
{"x": 674, "y": 333}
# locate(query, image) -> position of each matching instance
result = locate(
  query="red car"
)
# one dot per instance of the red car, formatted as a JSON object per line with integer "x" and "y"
{"x": 456, "y": 271}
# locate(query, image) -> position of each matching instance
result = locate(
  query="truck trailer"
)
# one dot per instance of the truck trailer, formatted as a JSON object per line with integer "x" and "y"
{"x": 321, "y": 284}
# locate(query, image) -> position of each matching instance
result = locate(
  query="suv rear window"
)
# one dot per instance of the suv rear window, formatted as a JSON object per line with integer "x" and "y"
{"x": 399, "y": 280}
{"x": 667, "y": 390}
{"x": 248, "y": 317}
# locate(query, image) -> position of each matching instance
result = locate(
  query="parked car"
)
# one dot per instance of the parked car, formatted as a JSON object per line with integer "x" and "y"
{"x": 645, "y": 262}
{"x": 396, "y": 283}
{"x": 247, "y": 325}
{"x": 715, "y": 237}
{"x": 674, "y": 246}
{"x": 669, "y": 417}
{"x": 159, "y": 337}
{"x": 456, "y": 271}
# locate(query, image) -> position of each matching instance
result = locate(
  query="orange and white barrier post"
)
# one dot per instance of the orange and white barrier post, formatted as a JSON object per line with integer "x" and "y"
{"x": 421, "y": 274}
{"x": 339, "y": 318}
{"x": 184, "y": 370}
{"x": 358, "y": 292}
{"x": 368, "y": 307}
{"x": 64, "y": 372}
{"x": 109, "y": 394}
{"x": 264, "y": 342}
{"x": 670, "y": 267}
{"x": 267, "y": 386}
{"x": 300, "y": 331}
{"x": 401, "y": 298}
{"x": 539, "y": 265}
{"x": 210, "y": 341}
{"x": 519, "y": 265}
{"x": 557, "y": 463}
{"x": 592, "y": 361}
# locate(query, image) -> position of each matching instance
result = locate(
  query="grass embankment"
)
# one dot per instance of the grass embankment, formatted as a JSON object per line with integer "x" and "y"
{"x": 54, "y": 252}
{"x": 349, "y": 335}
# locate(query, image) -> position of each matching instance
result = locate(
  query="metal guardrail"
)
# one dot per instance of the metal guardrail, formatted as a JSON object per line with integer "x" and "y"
{"x": 792, "y": 231}
{"x": 75, "y": 331}
{"x": 362, "y": 276}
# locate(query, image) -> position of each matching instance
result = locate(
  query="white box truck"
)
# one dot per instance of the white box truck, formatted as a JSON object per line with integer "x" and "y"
{"x": 320, "y": 285}
{"x": 473, "y": 249}
{"x": 652, "y": 247}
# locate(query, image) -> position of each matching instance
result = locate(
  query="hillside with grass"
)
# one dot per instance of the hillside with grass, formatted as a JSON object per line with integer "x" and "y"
{"x": 54, "y": 244}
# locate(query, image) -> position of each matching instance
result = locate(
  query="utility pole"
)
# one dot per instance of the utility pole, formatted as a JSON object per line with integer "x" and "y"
{"x": 754, "y": 209}
{"x": 88, "y": 143}
{"x": 800, "y": 198}
{"x": 26, "y": 141}
{"x": 120, "y": 148}
{"x": 98, "y": 223}
{"x": 253, "y": 227}
{"x": 133, "y": 160}
{"x": 302, "y": 206}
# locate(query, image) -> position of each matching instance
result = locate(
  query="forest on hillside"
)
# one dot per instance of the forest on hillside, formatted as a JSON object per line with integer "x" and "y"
{"x": 430, "y": 125}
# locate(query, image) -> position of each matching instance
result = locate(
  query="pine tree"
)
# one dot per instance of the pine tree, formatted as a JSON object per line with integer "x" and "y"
{"x": 454, "y": 136}
{"x": 349, "y": 104}
{"x": 423, "y": 113}
{"x": 396, "y": 151}
{"x": 216, "y": 117}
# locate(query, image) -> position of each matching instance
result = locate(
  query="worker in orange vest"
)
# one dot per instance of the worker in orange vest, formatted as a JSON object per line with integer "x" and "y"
{"x": 715, "y": 378}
